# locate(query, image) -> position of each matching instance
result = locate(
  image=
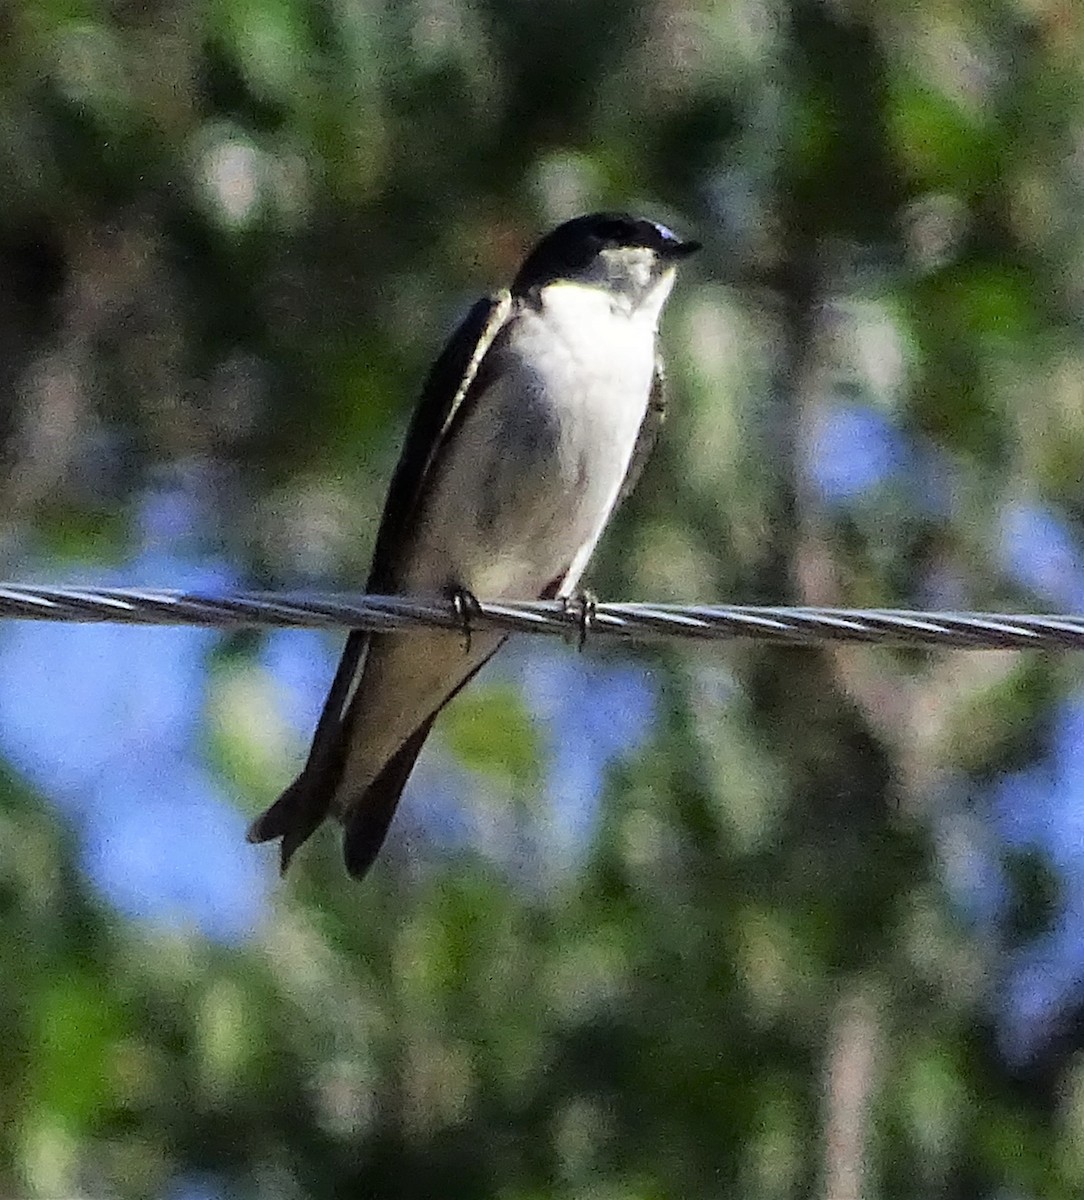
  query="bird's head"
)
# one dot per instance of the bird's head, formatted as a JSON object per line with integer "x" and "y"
{"x": 631, "y": 257}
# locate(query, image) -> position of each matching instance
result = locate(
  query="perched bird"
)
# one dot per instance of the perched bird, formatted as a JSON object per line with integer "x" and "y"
{"x": 533, "y": 425}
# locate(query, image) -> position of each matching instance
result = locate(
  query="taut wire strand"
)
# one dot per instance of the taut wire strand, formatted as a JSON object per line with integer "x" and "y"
{"x": 801, "y": 626}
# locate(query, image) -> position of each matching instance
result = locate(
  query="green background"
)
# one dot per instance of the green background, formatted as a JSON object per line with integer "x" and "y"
{"x": 809, "y": 927}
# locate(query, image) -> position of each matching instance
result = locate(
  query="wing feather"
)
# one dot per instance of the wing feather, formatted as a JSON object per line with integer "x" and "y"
{"x": 304, "y": 805}
{"x": 442, "y": 397}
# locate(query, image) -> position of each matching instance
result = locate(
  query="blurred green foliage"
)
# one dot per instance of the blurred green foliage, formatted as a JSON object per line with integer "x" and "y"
{"x": 233, "y": 234}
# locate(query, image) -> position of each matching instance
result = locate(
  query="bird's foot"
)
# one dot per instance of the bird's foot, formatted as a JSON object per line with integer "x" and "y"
{"x": 465, "y": 605}
{"x": 583, "y": 604}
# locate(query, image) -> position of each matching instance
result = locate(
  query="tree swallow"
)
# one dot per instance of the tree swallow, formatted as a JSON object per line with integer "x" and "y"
{"x": 533, "y": 426}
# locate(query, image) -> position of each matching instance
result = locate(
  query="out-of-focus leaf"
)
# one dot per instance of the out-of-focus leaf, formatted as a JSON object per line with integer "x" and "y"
{"x": 76, "y": 1030}
{"x": 941, "y": 144}
{"x": 490, "y": 730}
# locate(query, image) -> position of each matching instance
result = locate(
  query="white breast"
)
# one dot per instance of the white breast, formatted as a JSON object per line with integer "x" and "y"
{"x": 530, "y": 483}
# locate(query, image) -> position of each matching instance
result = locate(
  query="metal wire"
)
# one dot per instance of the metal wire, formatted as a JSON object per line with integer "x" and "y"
{"x": 804, "y": 626}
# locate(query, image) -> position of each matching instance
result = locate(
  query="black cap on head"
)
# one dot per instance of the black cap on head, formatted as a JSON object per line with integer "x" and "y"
{"x": 571, "y": 248}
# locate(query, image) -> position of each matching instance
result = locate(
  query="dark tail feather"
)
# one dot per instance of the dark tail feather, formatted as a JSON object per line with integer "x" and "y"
{"x": 367, "y": 821}
{"x": 297, "y": 813}
{"x": 307, "y": 802}
{"x": 366, "y": 824}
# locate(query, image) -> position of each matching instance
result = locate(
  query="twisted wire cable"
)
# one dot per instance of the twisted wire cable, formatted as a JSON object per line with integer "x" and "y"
{"x": 639, "y": 621}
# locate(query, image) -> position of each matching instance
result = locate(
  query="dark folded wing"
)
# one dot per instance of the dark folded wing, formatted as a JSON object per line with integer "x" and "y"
{"x": 302, "y": 807}
{"x": 445, "y": 390}
{"x": 443, "y": 394}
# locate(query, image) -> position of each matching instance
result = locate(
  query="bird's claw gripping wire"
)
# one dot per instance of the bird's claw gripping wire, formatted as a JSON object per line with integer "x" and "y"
{"x": 465, "y": 605}
{"x": 584, "y": 605}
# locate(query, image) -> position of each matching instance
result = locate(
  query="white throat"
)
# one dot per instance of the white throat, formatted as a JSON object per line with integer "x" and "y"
{"x": 568, "y": 300}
